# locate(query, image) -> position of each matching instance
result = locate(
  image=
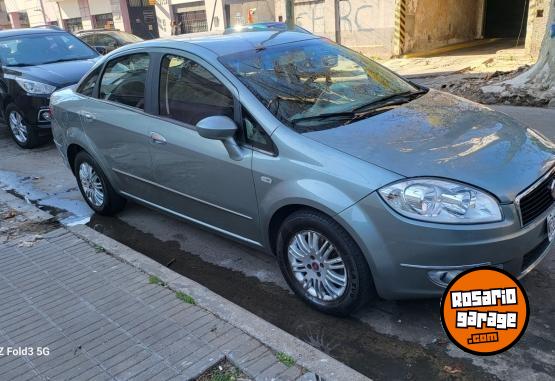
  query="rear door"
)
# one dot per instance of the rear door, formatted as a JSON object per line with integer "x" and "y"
{"x": 117, "y": 124}
{"x": 196, "y": 176}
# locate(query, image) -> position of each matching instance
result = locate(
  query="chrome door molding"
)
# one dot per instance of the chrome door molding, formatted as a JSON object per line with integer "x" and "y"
{"x": 185, "y": 217}
{"x": 183, "y": 195}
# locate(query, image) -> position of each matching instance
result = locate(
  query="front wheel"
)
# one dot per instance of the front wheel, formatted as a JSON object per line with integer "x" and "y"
{"x": 322, "y": 264}
{"x": 25, "y": 135}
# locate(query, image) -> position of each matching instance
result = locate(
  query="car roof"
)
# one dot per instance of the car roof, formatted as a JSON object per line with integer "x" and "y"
{"x": 28, "y": 32}
{"x": 103, "y": 31}
{"x": 223, "y": 44}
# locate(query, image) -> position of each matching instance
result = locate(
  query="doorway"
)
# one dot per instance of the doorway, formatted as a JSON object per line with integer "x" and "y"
{"x": 143, "y": 19}
{"x": 506, "y": 19}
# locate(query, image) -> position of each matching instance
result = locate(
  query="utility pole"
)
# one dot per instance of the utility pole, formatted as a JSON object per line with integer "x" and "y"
{"x": 290, "y": 14}
{"x": 337, "y": 12}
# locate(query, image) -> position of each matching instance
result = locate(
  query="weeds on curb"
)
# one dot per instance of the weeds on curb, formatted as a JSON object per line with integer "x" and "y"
{"x": 285, "y": 359}
{"x": 184, "y": 297}
{"x": 153, "y": 279}
{"x": 99, "y": 249}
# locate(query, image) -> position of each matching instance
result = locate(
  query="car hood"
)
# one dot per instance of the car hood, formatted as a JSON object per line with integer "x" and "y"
{"x": 441, "y": 135}
{"x": 59, "y": 74}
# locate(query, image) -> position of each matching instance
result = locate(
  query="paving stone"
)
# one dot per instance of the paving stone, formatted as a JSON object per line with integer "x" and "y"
{"x": 140, "y": 367}
{"x": 290, "y": 374}
{"x": 272, "y": 372}
{"x": 259, "y": 364}
{"x": 102, "y": 320}
{"x": 243, "y": 350}
{"x": 310, "y": 377}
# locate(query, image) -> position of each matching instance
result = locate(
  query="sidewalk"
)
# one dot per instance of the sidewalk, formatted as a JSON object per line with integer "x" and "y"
{"x": 101, "y": 318}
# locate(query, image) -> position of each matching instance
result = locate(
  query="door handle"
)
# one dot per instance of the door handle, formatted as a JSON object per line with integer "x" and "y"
{"x": 87, "y": 116}
{"x": 155, "y": 137}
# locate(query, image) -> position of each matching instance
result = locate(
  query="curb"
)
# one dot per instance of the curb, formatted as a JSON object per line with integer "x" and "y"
{"x": 278, "y": 340}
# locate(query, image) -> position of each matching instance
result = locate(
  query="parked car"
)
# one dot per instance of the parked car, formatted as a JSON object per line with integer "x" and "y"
{"x": 263, "y": 26}
{"x": 106, "y": 40}
{"x": 361, "y": 183}
{"x": 35, "y": 62}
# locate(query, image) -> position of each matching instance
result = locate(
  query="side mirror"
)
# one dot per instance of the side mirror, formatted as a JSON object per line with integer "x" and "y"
{"x": 100, "y": 49}
{"x": 221, "y": 128}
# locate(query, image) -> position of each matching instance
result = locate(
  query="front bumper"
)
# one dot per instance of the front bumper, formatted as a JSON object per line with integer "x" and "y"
{"x": 33, "y": 108}
{"x": 406, "y": 255}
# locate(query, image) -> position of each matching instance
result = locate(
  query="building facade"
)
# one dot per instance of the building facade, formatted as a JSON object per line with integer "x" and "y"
{"x": 375, "y": 27}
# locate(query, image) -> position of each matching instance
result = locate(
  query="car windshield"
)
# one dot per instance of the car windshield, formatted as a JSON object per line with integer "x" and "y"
{"x": 316, "y": 84}
{"x": 127, "y": 38}
{"x": 40, "y": 49}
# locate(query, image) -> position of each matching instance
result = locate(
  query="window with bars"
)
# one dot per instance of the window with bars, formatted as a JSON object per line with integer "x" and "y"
{"x": 193, "y": 21}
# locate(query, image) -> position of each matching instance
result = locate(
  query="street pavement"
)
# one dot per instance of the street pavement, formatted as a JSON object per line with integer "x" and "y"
{"x": 390, "y": 339}
{"x": 70, "y": 311}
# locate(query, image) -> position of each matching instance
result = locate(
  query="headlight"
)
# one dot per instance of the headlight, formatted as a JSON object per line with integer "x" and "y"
{"x": 33, "y": 87}
{"x": 441, "y": 201}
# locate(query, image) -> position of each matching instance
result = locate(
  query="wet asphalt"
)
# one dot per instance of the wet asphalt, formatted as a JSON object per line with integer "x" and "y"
{"x": 387, "y": 340}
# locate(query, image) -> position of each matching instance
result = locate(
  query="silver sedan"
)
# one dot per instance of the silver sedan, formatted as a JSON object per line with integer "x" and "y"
{"x": 361, "y": 183}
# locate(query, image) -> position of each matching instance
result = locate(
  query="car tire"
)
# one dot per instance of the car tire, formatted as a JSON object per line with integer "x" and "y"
{"x": 341, "y": 282}
{"x": 24, "y": 135}
{"x": 95, "y": 187}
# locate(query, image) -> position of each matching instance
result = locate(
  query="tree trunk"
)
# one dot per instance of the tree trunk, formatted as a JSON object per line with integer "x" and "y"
{"x": 539, "y": 81}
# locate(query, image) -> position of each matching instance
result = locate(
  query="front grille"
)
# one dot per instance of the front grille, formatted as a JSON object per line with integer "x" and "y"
{"x": 536, "y": 200}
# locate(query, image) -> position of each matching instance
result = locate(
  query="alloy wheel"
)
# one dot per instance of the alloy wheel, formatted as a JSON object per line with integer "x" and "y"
{"x": 317, "y": 265}
{"x": 91, "y": 184}
{"x": 18, "y": 127}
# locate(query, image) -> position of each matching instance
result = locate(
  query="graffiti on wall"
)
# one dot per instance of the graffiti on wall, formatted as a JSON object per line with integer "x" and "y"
{"x": 357, "y": 17}
{"x": 354, "y": 15}
{"x": 310, "y": 15}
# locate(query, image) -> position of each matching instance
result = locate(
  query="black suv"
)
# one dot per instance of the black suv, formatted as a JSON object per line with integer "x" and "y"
{"x": 35, "y": 63}
{"x": 106, "y": 40}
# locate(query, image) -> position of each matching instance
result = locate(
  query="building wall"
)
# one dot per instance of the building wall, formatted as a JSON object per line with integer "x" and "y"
{"x": 433, "y": 23}
{"x": 367, "y": 26}
{"x": 538, "y": 18}
{"x": 265, "y": 10}
{"x": 4, "y": 18}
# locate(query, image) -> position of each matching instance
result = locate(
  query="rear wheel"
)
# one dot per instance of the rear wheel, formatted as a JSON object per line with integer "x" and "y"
{"x": 95, "y": 187}
{"x": 322, "y": 263}
{"x": 24, "y": 135}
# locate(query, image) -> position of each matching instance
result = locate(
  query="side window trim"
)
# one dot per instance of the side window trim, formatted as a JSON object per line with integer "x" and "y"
{"x": 148, "y": 90}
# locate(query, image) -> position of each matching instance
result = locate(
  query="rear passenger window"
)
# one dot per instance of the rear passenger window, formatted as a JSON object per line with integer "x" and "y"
{"x": 124, "y": 80}
{"x": 87, "y": 86}
{"x": 189, "y": 93}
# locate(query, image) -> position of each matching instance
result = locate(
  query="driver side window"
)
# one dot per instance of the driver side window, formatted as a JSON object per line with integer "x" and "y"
{"x": 124, "y": 80}
{"x": 189, "y": 92}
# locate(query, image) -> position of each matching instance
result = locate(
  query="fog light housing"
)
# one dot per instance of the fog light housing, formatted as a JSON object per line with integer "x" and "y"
{"x": 443, "y": 277}
{"x": 45, "y": 115}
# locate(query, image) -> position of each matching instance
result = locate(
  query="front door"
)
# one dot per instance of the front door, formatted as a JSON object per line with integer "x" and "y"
{"x": 117, "y": 125}
{"x": 196, "y": 176}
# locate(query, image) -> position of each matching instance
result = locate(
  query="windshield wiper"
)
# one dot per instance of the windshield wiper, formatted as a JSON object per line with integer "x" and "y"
{"x": 21, "y": 64}
{"x": 348, "y": 116}
{"x": 65, "y": 60}
{"x": 391, "y": 100}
